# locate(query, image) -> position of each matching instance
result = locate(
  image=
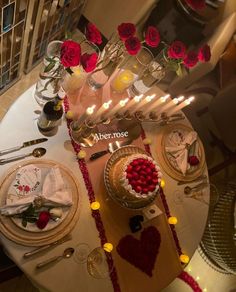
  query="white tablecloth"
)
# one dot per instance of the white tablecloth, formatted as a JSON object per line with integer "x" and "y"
{"x": 19, "y": 125}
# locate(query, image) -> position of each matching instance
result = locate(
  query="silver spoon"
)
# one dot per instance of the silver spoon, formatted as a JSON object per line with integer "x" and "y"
{"x": 68, "y": 252}
{"x": 37, "y": 152}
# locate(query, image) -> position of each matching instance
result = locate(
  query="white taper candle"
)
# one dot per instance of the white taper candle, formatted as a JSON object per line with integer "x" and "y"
{"x": 182, "y": 105}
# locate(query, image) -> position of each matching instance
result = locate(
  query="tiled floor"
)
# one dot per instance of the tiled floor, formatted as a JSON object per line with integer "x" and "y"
{"x": 208, "y": 279}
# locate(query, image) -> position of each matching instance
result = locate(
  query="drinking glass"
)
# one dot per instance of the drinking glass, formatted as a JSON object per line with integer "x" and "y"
{"x": 73, "y": 83}
{"x": 153, "y": 74}
{"x": 97, "y": 263}
{"x": 111, "y": 56}
{"x": 96, "y": 260}
{"x": 132, "y": 70}
{"x": 48, "y": 85}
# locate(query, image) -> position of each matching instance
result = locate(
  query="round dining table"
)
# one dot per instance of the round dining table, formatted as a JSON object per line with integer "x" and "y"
{"x": 20, "y": 125}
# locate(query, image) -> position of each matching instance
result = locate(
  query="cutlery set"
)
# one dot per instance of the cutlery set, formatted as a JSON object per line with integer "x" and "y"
{"x": 37, "y": 152}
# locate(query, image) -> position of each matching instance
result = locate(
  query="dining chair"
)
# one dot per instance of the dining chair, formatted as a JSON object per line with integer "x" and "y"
{"x": 222, "y": 110}
{"x": 217, "y": 243}
{"x": 218, "y": 43}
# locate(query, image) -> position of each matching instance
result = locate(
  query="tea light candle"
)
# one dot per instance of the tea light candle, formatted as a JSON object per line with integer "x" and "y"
{"x": 101, "y": 110}
{"x": 89, "y": 111}
{"x": 108, "y": 246}
{"x": 163, "y": 183}
{"x": 95, "y": 205}
{"x": 172, "y": 220}
{"x": 182, "y": 105}
{"x": 123, "y": 80}
{"x": 184, "y": 258}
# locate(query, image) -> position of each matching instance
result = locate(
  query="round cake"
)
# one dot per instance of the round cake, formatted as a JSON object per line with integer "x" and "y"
{"x": 135, "y": 177}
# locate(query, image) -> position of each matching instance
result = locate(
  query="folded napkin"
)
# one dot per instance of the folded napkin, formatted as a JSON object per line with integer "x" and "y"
{"x": 53, "y": 192}
{"x": 178, "y": 144}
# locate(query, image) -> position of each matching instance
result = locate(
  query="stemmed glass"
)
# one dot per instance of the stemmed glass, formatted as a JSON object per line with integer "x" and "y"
{"x": 96, "y": 260}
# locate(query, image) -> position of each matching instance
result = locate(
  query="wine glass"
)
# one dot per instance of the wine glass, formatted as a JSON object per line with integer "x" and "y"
{"x": 98, "y": 264}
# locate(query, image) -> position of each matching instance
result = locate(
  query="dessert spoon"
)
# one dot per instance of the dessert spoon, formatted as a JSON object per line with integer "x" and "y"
{"x": 37, "y": 152}
{"x": 68, "y": 252}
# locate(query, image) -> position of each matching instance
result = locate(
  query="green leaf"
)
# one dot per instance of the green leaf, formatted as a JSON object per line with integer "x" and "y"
{"x": 49, "y": 66}
{"x": 50, "y": 60}
{"x": 68, "y": 35}
{"x": 69, "y": 70}
{"x": 29, "y": 211}
{"x": 24, "y": 222}
{"x": 31, "y": 219}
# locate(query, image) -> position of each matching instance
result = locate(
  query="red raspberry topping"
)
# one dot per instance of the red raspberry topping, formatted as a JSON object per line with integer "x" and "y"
{"x": 142, "y": 175}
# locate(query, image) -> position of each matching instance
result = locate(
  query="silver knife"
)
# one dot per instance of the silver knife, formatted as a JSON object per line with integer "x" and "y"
{"x": 111, "y": 148}
{"x": 45, "y": 247}
{"x": 25, "y": 144}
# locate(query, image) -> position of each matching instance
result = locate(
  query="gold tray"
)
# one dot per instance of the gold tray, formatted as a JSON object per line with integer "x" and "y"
{"x": 118, "y": 154}
{"x": 26, "y": 237}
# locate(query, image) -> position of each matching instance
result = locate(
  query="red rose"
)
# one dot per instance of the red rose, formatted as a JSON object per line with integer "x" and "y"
{"x": 93, "y": 34}
{"x": 133, "y": 45}
{"x": 126, "y": 30}
{"x": 204, "y": 54}
{"x": 44, "y": 217}
{"x": 176, "y": 50}
{"x": 193, "y": 160}
{"x": 152, "y": 37}
{"x": 190, "y": 59}
{"x": 196, "y": 4}
{"x": 70, "y": 54}
{"x": 89, "y": 61}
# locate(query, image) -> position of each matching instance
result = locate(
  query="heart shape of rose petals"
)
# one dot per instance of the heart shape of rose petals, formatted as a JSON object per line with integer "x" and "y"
{"x": 141, "y": 253}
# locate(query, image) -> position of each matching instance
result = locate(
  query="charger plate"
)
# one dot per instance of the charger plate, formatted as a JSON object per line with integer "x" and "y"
{"x": 117, "y": 155}
{"x": 30, "y": 238}
{"x": 164, "y": 161}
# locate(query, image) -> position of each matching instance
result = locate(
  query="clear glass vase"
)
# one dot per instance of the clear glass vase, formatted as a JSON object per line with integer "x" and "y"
{"x": 131, "y": 70}
{"x": 48, "y": 83}
{"x": 152, "y": 75}
{"x": 111, "y": 56}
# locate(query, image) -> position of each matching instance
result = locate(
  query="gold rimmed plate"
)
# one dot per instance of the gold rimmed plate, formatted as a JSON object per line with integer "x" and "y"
{"x": 116, "y": 156}
{"x": 28, "y": 237}
{"x": 165, "y": 162}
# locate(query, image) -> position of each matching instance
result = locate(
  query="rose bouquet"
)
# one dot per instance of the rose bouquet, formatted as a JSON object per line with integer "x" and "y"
{"x": 123, "y": 43}
{"x": 177, "y": 55}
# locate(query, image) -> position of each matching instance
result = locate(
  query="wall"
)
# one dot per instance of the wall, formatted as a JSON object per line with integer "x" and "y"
{"x": 108, "y": 14}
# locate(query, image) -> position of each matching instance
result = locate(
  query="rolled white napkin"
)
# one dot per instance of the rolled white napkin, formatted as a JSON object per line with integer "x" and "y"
{"x": 178, "y": 146}
{"x": 54, "y": 192}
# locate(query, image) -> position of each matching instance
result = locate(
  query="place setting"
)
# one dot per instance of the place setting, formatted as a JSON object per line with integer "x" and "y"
{"x": 39, "y": 202}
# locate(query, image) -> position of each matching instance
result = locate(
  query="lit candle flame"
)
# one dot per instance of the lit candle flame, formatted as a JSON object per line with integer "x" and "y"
{"x": 106, "y": 105}
{"x": 180, "y": 98}
{"x": 150, "y": 97}
{"x": 90, "y": 110}
{"x": 123, "y": 102}
{"x": 164, "y": 98}
{"x": 137, "y": 98}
